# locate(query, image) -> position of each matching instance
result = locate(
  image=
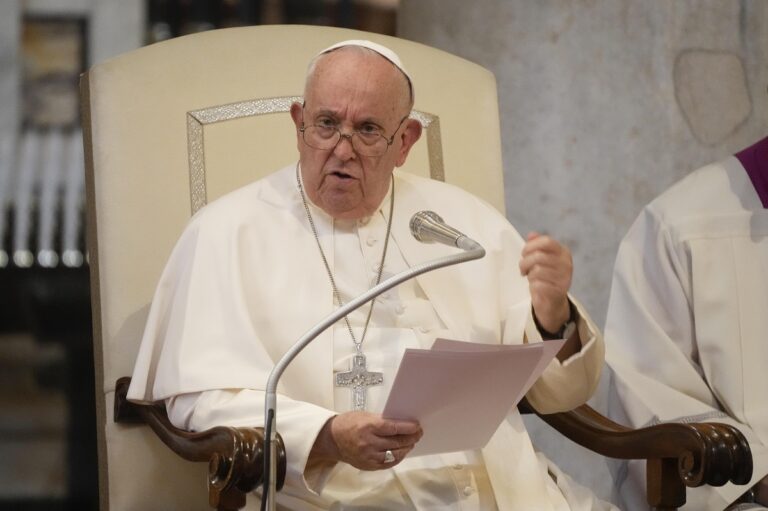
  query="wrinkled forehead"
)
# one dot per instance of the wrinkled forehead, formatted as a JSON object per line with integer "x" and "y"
{"x": 365, "y": 52}
{"x": 354, "y": 77}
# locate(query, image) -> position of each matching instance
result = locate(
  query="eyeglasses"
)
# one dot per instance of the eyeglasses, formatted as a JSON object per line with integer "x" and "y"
{"x": 365, "y": 142}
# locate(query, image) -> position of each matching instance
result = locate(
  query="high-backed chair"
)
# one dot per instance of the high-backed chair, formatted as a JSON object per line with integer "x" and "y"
{"x": 174, "y": 125}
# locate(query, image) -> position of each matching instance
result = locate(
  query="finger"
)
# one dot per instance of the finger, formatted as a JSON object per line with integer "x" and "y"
{"x": 368, "y": 456}
{"x": 395, "y": 442}
{"x": 533, "y": 259}
{"x": 363, "y": 437}
{"x": 398, "y": 455}
{"x": 547, "y": 256}
{"x": 544, "y": 256}
{"x": 393, "y": 427}
{"x": 554, "y": 276}
{"x": 557, "y": 263}
{"x": 380, "y": 459}
{"x": 403, "y": 441}
{"x": 542, "y": 243}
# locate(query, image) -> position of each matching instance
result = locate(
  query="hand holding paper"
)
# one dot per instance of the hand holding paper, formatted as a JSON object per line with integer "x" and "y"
{"x": 459, "y": 392}
{"x": 360, "y": 438}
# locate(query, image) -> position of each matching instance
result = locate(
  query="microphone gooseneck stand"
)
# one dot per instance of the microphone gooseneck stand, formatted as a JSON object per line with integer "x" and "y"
{"x": 471, "y": 251}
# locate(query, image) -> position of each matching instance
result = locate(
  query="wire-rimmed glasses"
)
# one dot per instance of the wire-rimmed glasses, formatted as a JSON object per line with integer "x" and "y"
{"x": 365, "y": 142}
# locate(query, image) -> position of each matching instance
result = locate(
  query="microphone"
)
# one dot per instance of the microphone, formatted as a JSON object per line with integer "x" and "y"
{"x": 429, "y": 227}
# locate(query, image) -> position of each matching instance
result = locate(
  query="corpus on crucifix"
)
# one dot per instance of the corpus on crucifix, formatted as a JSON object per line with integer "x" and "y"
{"x": 359, "y": 378}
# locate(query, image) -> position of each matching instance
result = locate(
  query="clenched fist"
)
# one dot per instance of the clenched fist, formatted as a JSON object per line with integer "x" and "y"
{"x": 549, "y": 268}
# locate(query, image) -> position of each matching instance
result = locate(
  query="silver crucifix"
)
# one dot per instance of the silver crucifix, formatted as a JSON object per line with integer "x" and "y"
{"x": 359, "y": 379}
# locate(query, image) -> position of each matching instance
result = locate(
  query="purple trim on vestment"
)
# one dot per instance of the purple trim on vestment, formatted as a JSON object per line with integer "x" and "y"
{"x": 755, "y": 161}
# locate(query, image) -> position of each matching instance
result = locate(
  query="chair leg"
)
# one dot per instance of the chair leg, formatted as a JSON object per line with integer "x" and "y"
{"x": 231, "y": 500}
{"x": 666, "y": 491}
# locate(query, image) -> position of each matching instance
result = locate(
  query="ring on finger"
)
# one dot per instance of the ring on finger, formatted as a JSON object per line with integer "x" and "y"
{"x": 388, "y": 456}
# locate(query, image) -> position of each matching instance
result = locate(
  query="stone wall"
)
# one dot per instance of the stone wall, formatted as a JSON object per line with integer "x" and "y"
{"x": 605, "y": 103}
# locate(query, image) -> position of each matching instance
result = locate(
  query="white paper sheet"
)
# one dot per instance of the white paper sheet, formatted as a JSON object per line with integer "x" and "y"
{"x": 461, "y": 391}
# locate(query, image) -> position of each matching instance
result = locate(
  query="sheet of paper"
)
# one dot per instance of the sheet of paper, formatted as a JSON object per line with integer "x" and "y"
{"x": 461, "y": 391}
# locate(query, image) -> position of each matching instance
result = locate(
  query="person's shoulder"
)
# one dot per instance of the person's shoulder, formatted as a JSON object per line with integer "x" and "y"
{"x": 443, "y": 193}
{"x": 254, "y": 199}
{"x": 427, "y": 183}
{"x": 715, "y": 189}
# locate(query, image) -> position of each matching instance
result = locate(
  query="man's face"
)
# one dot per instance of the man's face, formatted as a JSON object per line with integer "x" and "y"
{"x": 353, "y": 91}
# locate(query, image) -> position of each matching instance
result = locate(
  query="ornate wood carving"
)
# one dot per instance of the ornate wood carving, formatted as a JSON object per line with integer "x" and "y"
{"x": 234, "y": 455}
{"x": 678, "y": 455}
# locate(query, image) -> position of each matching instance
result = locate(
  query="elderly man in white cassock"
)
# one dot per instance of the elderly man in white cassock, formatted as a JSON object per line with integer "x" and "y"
{"x": 257, "y": 268}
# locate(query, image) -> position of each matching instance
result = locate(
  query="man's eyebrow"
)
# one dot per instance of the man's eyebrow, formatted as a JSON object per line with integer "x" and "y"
{"x": 326, "y": 112}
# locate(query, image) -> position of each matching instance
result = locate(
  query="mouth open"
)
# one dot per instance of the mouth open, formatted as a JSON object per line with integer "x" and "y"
{"x": 341, "y": 175}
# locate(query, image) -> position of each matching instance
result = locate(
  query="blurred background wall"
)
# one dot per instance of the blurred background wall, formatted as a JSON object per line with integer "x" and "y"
{"x": 604, "y": 104}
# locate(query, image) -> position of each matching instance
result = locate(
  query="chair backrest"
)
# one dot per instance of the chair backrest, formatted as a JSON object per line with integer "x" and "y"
{"x": 173, "y": 125}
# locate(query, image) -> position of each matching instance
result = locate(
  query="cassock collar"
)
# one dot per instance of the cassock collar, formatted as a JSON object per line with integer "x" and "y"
{"x": 754, "y": 159}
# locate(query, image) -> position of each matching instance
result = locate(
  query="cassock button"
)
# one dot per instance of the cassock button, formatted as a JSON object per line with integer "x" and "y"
{"x": 371, "y": 241}
{"x": 399, "y": 309}
{"x": 364, "y": 221}
{"x": 468, "y": 490}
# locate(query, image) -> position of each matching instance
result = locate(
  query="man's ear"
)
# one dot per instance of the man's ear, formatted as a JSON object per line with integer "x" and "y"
{"x": 297, "y": 114}
{"x": 410, "y": 135}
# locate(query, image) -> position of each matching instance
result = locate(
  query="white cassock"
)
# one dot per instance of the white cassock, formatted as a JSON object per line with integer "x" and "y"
{"x": 246, "y": 280}
{"x": 687, "y": 326}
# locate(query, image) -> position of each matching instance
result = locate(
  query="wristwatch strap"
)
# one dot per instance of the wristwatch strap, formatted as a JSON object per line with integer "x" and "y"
{"x": 566, "y": 327}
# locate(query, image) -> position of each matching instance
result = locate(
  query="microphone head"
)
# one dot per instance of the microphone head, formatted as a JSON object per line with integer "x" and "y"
{"x": 422, "y": 219}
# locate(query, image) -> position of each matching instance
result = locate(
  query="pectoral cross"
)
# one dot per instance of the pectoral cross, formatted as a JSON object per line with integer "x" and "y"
{"x": 359, "y": 378}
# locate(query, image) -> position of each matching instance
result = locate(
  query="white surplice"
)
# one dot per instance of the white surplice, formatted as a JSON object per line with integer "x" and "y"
{"x": 687, "y": 326}
{"x": 245, "y": 281}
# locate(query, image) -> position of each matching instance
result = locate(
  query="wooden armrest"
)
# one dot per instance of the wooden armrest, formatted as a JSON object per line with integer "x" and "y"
{"x": 234, "y": 455}
{"x": 679, "y": 455}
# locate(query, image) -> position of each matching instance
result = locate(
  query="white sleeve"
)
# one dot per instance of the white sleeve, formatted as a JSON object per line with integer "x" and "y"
{"x": 568, "y": 384}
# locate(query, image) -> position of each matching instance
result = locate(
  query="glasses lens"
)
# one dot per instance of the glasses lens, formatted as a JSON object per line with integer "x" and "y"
{"x": 324, "y": 138}
{"x": 369, "y": 143}
{"x": 321, "y": 137}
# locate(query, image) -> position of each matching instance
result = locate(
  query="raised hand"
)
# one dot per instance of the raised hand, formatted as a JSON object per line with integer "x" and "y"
{"x": 549, "y": 268}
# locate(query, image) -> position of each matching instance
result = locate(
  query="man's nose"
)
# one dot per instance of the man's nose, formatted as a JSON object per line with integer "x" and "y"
{"x": 344, "y": 149}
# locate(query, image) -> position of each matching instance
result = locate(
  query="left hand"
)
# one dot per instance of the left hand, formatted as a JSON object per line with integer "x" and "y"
{"x": 549, "y": 268}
